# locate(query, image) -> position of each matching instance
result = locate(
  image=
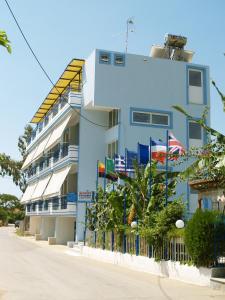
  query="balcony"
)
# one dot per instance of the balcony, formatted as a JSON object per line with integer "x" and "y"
{"x": 64, "y": 153}
{"x": 68, "y": 99}
{"x": 61, "y": 205}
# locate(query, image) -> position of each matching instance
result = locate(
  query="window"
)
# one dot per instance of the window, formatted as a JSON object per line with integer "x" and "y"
{"x": 63, "y": 103}
{"x": 40, "y": 126}
{"x": 140, "y": 117}
{"x": 119, "y": 59}
{"x": 113, "y": 118}
{"x": 46, "y": 120}
{"x": 104, "y": 58}
{"x": 195, "y": 78}
{"x": 40, "y": 205}
{"x": 112, "y": 149}
{"x": 41, "y": 165}
{"x": 46, "y": 204}
{"x": 158, "y": 119}
{"x": 55, "y": 109}
{"x": 195, "y": 131}
{"x": 149, "y": 118}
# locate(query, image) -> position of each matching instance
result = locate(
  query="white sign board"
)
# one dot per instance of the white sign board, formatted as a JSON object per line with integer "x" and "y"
{"x": 85, "y": 196}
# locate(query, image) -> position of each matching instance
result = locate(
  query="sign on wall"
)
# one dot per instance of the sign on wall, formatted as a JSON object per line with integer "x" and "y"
{"x": 85, "y": 196}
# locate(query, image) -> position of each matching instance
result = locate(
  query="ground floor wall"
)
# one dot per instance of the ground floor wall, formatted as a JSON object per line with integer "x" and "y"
{"x": 62, "y": 228}
{"x": 35, "y": 225}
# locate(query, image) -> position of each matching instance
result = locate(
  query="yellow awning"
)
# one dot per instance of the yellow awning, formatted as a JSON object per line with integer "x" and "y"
{"x": 72, "y": 76}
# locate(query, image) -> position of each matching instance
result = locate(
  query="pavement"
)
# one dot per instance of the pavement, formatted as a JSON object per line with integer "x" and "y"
{"x": 31, "y": 270}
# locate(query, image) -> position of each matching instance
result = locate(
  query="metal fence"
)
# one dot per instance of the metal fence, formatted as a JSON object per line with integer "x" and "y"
{"x": 174, "y": 250}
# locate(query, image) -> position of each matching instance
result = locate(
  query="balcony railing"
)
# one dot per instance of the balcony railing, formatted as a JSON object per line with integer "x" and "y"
{"x": 66, "y": 151}
{"x": 62, "y": 205}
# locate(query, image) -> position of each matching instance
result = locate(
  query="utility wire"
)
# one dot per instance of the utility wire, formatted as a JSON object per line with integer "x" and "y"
{"x": 43, "y": 69}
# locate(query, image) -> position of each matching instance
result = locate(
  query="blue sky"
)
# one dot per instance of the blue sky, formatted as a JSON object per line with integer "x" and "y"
{"x": 61, "y": 30}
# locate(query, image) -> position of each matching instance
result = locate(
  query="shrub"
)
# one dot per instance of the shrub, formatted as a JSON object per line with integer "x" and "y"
{"x": 3, "y": 216}
{"x": 201, "y": 235}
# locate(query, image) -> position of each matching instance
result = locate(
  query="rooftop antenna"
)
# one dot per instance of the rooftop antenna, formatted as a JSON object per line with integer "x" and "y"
{"x": 130, "y": 28}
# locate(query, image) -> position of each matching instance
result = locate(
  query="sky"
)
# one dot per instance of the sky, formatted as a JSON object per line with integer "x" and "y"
{"x": 61, "y": 30}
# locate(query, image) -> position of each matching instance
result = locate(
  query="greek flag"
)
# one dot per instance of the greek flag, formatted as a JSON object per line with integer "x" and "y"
{"x": 119, "y": 162}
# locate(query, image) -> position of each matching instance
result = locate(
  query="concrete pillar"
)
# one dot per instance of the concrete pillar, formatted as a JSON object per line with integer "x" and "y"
{"x": 80, "y": 222}
{"x": 64, "y": 229}
{"x": 47, "y": 227}
{"x": 35, "y": 225}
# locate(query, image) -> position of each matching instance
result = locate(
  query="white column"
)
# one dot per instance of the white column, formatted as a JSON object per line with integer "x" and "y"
{"x": 64, "y": 229}
{"x": 47, "y": 227}
{"x": 35, "y": 224}
{"x": 80, "y": 222}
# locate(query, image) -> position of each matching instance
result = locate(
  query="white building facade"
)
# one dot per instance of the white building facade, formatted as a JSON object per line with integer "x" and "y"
{"x": 109, "y": 102}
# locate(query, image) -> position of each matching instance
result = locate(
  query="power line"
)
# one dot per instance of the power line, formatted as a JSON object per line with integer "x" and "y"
{"x": 43, "y": 69}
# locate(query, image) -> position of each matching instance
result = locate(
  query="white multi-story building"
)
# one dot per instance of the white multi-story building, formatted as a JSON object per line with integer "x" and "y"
{"x": 99, "y": 107}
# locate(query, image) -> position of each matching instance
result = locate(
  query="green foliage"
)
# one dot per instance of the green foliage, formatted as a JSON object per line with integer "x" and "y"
{"x": 162, "y": 223}
{"x": 23, "y": 140}
{"x": 155, "y": 219}
{"x": 210, "y": 159}
{"x": 11, "y": 208}
{"x": 4, "y": 41}
{"x": 200, "y": 237}
{"x": 11, "y": 167}
{"x": 3, "y": 216}
{"x": 107, "y": 211}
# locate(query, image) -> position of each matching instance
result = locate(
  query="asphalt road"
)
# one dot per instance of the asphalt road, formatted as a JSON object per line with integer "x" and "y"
{"x": 34, "y": 271}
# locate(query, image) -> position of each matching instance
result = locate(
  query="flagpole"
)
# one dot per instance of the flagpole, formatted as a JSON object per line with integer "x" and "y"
{"x": 138, "y": 154}
{"x": 104, "y": 187}
{"x": 125, "y": 208}
{"x": 114, "y": 170}
{"x": 167, "y": 152}
{"x": 150, "y": 169}
{"x": 96, "y": 199}
{"x": 104, "y": 184}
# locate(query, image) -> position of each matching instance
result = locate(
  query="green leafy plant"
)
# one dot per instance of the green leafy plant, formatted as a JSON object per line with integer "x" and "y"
{"x": 201, "y": 235}
{"x": 4, "y": 41}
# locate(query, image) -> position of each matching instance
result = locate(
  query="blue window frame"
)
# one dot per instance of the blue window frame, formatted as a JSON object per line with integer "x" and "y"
{"x": 152, "y": 118}
{"x": 119, "y": 59}
{"x": 105, "y": 57}
{"x": 197, "y": 80}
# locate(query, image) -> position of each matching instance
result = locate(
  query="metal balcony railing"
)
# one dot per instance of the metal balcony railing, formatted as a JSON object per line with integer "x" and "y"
{"x": 65, "y": 204}
{"x": 65, "y": 151}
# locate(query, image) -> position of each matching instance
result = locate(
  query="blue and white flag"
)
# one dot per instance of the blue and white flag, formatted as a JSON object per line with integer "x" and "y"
{"x": 143, "y": 154}
{"x": 131, "y": 156}
{"x": 119, "y": 163}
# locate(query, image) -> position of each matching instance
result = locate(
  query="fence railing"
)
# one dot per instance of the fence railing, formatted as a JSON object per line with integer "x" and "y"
{"x": 174, "y": 250}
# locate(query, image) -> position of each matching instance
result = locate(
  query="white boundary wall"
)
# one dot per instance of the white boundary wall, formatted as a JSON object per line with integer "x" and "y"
{"x": 173, "y": 270}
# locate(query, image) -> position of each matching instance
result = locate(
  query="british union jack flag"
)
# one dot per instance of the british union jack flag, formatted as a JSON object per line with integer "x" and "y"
{"x": 176, "y": 149}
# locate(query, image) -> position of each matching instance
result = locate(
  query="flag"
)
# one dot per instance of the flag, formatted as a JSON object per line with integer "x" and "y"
{"x": 119, "y": 163}
{"x": 131, "y": 156}
{"x": 143, "y": 154}
{"x": 109, "y": 165}
{"x": 110, "y": 169}
{"x": 158, "y": 150}
{"x": 174, "y": 147}
{"x": 101, "y": 169}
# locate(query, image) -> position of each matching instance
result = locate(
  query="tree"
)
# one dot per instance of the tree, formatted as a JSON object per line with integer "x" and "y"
{"x": 4, "y": 41}
{"x": 23, "y": 140}
{"x": 11, "y": 167}
{"x": 11, "y": 209}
